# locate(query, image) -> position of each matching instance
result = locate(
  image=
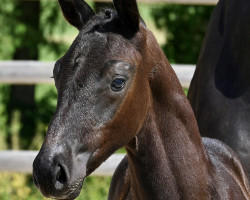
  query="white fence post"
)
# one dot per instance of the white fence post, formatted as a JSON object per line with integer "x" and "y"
{"x": 21, "y": 162}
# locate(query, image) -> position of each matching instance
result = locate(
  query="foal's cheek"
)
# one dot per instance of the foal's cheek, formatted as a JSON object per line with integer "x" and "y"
{"x": 133, "y": 112}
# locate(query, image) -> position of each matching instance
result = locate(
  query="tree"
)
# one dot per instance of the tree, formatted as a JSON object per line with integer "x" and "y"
{"x": 23, "y": 106}
{"x": 185, "y": 27}
{"x": 26, "y": 26}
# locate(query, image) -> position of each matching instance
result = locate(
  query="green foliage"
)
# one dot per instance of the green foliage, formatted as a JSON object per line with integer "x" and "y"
{"x": 50, "y": 36}
{"x": 46, "y": 99}
{"x": 185, "y": 27}
{"x": 57, "y": 34}
{"x": 6, "y": 40}
{"x": 185, "y": 91}
{"x": 4, "y": 98}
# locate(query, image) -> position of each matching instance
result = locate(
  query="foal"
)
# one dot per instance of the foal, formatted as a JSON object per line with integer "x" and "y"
{"x": 116, "y": 88}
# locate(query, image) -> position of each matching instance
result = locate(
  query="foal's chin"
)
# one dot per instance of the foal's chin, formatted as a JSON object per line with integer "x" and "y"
{"x": 73, "y": 191}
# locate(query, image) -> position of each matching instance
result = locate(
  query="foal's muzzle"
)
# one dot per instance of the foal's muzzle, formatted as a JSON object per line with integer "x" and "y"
{"x": 58, "y": 174}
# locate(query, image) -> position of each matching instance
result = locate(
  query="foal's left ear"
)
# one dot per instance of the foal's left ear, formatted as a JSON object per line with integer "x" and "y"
{"x": 76, "y": 12}
{"x": 128, "y": 13}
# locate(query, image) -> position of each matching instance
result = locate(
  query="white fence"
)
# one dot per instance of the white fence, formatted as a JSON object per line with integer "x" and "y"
{"x": 21, "y": 162}
{"x": 34, "y": 72}
{"x": 183, "y": 2}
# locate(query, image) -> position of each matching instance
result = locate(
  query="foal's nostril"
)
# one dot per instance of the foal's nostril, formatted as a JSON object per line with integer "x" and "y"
{"x": 61, "y": 178}
{"x": 51, "y": 174}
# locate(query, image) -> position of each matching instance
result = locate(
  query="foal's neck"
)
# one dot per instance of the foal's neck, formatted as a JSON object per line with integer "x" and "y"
{"x": 167, "y": 159}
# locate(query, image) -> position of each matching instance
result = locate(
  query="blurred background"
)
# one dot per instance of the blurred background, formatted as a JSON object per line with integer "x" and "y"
{"x": 36, "y": 30}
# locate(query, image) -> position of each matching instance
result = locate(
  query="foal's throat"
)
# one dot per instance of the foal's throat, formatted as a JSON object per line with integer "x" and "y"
{"x": 167, "y": 159}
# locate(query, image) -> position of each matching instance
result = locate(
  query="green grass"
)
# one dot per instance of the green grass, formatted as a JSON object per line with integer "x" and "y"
{"x": 14, "y": 186}
{"x": 185, "y": 91}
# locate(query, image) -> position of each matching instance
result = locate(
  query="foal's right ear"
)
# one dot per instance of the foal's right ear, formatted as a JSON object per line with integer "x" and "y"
{"x": 76, "y": 12}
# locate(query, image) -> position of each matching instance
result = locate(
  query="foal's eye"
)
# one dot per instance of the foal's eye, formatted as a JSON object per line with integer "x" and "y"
{"x": 118, "y": 84}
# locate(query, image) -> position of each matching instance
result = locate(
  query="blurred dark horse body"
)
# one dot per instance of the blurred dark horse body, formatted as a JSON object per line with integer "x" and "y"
{"x": 116, "y": 88}
{"x": 220, "y": 89}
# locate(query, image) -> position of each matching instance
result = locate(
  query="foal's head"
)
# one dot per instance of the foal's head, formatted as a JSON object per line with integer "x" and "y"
{"x": 103, "y": 85}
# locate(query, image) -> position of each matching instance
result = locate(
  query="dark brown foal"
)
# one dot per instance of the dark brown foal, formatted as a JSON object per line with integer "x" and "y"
{"x": 116, "y": 88}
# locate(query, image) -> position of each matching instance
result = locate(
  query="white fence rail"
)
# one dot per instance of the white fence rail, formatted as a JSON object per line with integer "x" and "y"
{"x": 34, "y": 72}
{"x": 183, "y": 2}
{"x": 21, "y": 162}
